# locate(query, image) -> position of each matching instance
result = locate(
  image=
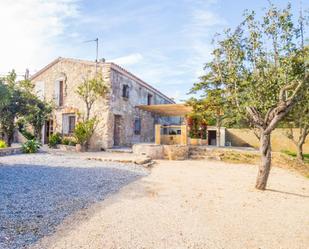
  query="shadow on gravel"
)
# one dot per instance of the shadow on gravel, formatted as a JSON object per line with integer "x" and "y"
{"x": 35, "y": 199}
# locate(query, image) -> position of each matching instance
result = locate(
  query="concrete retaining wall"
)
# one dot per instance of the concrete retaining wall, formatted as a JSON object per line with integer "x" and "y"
{"x": 279, "y": 141}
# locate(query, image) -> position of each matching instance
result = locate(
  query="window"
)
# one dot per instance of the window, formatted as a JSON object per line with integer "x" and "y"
{"x": 125, "y": 91}
{"x": 61, "y": 93}
{"x": 68, "y": 124}
{"x": 149, "y": 99}
{"x": 137, "y": 126}
{"x": 59, "y": 96}
{"x": 71, "y": 124}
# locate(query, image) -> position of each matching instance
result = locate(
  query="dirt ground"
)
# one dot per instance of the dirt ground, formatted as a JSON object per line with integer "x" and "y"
{"x": 195, "y": 204}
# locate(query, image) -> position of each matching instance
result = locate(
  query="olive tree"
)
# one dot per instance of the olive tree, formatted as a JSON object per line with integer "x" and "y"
{"x": 298, "y": 118}
{"x": 90, "y": 90}
{"x": 263, "y": 71}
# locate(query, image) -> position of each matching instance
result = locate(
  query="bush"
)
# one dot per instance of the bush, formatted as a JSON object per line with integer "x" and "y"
{"x": 54, "y": 140}
{"x": 31, "y": 146}
{"x": 28, "y": 135}
{"x": 2, "y": 144}
{"x": 68, "y": 141}
{"x": 84, "y": 130}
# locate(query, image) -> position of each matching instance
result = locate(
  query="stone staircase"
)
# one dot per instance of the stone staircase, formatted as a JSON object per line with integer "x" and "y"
{"x": 202, "y": 153}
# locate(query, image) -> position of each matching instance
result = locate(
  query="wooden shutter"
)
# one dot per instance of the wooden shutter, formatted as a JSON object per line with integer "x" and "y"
{"x": 65, "y": 124}
{"x": 57, "y": 93}
{"x": 40, "y": 89}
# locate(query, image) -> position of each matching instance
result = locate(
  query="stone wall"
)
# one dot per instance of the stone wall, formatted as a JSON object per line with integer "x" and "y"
{"x": 126, "y": 108}
{"x": 73, "y": 72}
{"x": 279, "y": 142}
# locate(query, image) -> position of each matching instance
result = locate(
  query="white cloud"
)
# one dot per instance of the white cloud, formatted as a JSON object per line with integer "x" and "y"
{"x": 29, "y": 31}
{"x": 128, "y": 60}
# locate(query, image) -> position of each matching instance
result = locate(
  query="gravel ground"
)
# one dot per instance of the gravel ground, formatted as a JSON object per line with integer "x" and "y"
{"x": 37, "y": 192}
{"x": 194, "y": 204}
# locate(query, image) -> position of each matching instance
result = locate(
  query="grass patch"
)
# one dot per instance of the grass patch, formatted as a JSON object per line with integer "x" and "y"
{"x": 293, "y": 154}
{"x": 286, "y": 160}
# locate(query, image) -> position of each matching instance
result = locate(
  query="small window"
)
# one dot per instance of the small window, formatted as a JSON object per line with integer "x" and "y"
{"x": 149, "y": 99}
{"x": 125, "y": 91}
{"x": 61, "y": 93}
{"x": 137, "y": 126}
{"x": 68, "y": 124}
{"x": 71, "y": 124}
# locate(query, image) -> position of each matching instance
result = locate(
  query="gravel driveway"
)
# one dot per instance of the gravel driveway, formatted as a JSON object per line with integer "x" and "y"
{"x": 197, "y": 205}
{"x": 38, "y": 191}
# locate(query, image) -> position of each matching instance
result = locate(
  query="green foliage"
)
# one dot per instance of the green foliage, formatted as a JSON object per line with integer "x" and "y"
{"x": 92, "y": 89}
{"x": 2, "y": 144}
{"x": 54, "y": 140}
{"x": 38, "y": 112}
{"x": 84, "y": 130}
{"x": 197, "y": 126}
{"x": 21, "y": 125}
{"x": 258, "y": 80}
{"x": 31, "y": 146}
{"x": 17, "y": 100}
{"x": 68, "y": 141}
{"x": 293, "y": 154}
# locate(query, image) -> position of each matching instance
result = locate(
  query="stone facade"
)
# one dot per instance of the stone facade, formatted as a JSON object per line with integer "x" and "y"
{"x": 72, "y": 72}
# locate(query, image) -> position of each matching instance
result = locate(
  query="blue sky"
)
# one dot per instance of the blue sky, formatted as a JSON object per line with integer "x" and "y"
{"x": 165, "y": 43}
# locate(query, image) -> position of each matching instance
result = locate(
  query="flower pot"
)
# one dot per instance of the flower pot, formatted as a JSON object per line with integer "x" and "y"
{"x": 194, "y": 141}
{"x": 204, "y": 141}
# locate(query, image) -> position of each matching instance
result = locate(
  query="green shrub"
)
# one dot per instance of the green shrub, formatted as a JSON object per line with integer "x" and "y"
{"x": 84, "y": 130}
{"x": 31, "y": 146}
{"x": 54, "y": 140}
{"x": 28, "y": 135}
{"x": 68, "y": 141}
{"x": 2, "y": 144}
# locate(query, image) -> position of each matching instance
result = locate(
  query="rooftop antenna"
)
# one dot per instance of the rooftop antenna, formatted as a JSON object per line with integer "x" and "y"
{"x": 97, "y": 52}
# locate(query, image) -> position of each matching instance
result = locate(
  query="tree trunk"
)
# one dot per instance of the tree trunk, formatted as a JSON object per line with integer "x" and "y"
{"x": 300, "y": 155}
{"x": 218, "y": 132}
{"x": 264, "y": 167}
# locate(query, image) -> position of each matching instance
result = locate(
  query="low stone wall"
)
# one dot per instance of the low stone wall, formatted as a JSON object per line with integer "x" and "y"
{"x": 10, "y": 151}
{"x": 67, "y": 147}
{"x": 154, "y": 151}
{"x": 176, "y": 152}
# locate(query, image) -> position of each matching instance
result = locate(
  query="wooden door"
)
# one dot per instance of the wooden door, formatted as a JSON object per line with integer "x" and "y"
{"x": 117, "y": 130}
{"x": 49, "y": 130}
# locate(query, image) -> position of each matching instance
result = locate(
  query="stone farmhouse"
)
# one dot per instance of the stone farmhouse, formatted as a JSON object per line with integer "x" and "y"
{"x": 121, "y": 122}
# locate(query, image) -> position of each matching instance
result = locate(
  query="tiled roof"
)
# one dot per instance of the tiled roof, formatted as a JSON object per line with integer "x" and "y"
{"x": 112, "y": 65}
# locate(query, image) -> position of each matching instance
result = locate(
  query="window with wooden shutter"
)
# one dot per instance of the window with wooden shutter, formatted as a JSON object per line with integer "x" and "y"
{"x": 59, "y": 92}
{"x": 125, "y": 91}
{"x": 137, "y": 126}
{"x": 56, "y": 92}
{"x": 68, "y": 124}
{"x": 149, "y": 99}
{"x": 71, "y": 124}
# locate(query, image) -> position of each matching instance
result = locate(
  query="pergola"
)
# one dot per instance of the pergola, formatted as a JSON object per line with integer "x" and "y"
{"x": 167, "y": 109}
{"x": 175, "y": 110}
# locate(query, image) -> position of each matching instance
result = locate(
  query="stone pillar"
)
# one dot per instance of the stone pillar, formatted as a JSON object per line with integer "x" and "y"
{"x": 184, "y": 135}
{"x": 158, "y": 134}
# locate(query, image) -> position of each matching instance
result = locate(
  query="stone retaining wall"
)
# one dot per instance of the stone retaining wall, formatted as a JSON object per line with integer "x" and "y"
{"x": 10, "y": 151}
